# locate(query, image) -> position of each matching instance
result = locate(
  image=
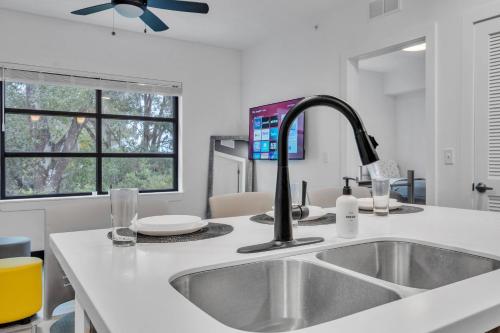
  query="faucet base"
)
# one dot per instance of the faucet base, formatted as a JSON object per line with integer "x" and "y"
{"x": 276, "y": 245}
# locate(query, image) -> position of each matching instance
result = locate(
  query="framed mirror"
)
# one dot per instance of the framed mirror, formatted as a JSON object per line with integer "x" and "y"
{"x": 229, "y": 170}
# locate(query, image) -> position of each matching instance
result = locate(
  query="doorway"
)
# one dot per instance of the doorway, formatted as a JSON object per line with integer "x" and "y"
{"x": 390, "y": 91}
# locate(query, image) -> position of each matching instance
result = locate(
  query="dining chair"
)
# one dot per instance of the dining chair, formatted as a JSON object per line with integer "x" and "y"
{"x": 240, "y": 204}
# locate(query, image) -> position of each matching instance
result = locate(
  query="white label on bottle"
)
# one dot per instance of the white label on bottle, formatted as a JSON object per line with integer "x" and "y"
{"x": 351, "y": 217}
{"x": 351, "y": 222}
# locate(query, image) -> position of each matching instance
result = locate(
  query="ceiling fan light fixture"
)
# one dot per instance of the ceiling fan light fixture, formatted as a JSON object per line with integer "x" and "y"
{"x": 129, "y": 10}
{"x": 140, "y": 9}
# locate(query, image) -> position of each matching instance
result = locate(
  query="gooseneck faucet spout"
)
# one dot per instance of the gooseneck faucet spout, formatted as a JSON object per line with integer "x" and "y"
{"x": 283, "y": 235}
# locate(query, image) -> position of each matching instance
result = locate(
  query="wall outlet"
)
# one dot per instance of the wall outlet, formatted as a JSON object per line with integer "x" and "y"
{"x": 449, "y": 156}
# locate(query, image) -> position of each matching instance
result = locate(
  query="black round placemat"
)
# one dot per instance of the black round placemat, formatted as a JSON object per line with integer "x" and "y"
{"x": 212, "y": 230}
{"x": 402, "y": 210}
{"x": 324, "y": 220}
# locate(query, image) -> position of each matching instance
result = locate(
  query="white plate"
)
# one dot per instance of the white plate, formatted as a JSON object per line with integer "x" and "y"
{"x": 315, "y": 212}
{"x": 167, "y": 225}
{"x": 367, "y": 204}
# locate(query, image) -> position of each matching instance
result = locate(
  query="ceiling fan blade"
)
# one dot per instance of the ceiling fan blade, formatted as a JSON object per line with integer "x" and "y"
{"x": 181, "y": 6}
{"x": 153, "y": 21}
{"x": 93, "y": 9}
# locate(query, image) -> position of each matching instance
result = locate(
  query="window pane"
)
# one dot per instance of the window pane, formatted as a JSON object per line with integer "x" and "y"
{"x": 142, "y": 173}
{"x": 130, "y": 136}
{"x": 49, "y": 97}
{"x": 37, "y": 176}
{"x": 137, "y": 104}
{"x": 36, "y": 133}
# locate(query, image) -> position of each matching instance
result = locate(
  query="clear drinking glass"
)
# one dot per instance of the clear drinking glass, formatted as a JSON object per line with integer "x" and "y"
{"x": 123, "y": 215}
{"x": 380, "y": 191}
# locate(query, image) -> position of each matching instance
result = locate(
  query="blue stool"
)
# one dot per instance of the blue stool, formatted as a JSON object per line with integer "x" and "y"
{"x": 11, "y": 247}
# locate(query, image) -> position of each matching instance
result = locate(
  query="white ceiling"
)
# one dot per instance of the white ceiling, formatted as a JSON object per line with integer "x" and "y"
{"x": 391, "y": 62}
{"x": 231, "y": 23}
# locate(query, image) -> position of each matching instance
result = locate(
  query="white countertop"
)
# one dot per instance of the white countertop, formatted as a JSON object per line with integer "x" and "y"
{"x": 127, "y": 289}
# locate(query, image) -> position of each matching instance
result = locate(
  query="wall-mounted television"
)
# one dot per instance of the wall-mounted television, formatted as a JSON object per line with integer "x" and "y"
{"x": 264, "y": 124}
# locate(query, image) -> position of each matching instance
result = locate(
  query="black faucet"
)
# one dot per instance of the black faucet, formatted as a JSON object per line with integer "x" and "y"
{"x": 283, "y": 235}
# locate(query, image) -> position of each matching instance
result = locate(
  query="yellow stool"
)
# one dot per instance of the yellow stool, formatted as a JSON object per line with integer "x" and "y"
{"x": 20, "y": 288}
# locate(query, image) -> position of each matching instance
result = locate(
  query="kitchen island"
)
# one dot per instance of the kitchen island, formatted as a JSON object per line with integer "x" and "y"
{"x": 126, "y": 290}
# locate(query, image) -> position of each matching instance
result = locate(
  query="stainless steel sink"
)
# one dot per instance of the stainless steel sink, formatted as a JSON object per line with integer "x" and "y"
{"x": 409, "y": 264}
{"x": 279, "y": 295}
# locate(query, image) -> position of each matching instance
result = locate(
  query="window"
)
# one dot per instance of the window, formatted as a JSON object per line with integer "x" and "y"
{"x": 62, "y": 136}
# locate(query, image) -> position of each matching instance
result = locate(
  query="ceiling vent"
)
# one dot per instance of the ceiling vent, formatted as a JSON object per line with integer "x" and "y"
{"x": 383, "y": 7}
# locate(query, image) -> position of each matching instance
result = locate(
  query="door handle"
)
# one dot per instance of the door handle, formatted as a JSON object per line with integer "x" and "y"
{"x": 481, "y": 188}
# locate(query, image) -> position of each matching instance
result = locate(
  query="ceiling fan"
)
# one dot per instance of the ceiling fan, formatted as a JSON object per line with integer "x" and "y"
{"x": 139, "y": 8}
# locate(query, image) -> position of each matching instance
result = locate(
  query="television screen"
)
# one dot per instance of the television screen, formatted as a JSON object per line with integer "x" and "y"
{"x": 265, "y": 122}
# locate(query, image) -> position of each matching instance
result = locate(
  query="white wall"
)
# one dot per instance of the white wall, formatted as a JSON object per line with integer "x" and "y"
{"x": 274, "y": 72}
{"x": 211, "y": 99}
{"x": 378, "y": 112}
{"x": 410, "y": 132}
{"x": 308, "y": 62}
{"x": 405, "y": 80}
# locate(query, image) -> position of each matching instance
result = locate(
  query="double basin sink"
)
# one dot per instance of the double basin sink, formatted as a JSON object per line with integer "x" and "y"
{"x": 300, "y": 291}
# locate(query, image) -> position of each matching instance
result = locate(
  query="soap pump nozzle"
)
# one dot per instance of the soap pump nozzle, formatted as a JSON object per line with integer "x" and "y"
{"x": 347, "y": 189}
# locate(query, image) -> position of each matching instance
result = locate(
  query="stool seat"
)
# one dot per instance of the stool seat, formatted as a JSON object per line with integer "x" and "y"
{"x": 15, "y": 247}
{"x": 20, "y": 288}
{"x": 65, "y": 324}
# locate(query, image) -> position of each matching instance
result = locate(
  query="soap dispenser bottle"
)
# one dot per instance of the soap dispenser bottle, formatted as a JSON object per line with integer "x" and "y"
{"x": 347, "y": 213}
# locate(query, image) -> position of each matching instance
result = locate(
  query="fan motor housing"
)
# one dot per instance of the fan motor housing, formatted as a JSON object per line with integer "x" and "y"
{"x": 130, "y": 8}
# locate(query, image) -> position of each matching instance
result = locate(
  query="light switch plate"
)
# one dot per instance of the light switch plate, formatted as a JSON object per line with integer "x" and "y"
{"x": 449, "y": 156}
{"x": 324, "y": 157}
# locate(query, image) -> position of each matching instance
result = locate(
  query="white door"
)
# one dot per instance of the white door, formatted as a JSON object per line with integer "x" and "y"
{"x": 487, "y": 115}
{"x": 229, "y": 174}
